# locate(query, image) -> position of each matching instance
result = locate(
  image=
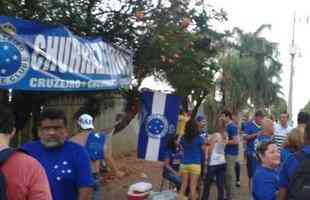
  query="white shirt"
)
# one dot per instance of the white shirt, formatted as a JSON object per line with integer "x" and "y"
{"x": 280, "y": 134}
{"x": 218, "y": 152}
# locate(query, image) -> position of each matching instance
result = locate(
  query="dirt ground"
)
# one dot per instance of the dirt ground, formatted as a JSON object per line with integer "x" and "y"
{"x": 139, "y": 170}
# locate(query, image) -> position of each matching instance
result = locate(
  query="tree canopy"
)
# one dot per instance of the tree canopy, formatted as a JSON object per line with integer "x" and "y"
{"x": 250, "y": 71}
{"x": 172, "y": 40}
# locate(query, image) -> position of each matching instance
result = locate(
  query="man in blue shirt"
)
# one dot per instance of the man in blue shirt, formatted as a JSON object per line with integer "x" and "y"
{"x": 290, "y": 166}
{"x": 96, "y": 144}
{"x": 66, "y": 164}
{"x": 251, "y": 130}
{"x": 231, "y": 152}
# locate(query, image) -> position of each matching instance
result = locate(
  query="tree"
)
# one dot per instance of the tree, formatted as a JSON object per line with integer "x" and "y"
{"x": 307, "y": 107}
{"x": 265, "y": 86}
{"x": 279, "y": 107}
{"x": 236, "y": 80}
{"x": 169, "y": 39}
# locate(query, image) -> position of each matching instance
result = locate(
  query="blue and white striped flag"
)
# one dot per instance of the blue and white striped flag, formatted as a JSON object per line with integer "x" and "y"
{"x": 158, "y": 123}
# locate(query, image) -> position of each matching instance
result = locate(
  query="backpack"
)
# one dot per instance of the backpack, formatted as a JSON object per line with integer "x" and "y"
{"x": 299, "y": 184}
{"x": 4, "y": 156}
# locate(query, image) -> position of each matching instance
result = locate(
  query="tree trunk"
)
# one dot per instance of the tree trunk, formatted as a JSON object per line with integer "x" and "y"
{"x": 202, "y": 96}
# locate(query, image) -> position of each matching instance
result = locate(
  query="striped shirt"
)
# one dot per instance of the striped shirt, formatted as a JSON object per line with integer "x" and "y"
{"x": 280, "y": 134}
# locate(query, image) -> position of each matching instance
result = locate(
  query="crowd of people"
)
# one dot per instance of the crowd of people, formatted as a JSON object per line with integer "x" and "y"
{"x": 55, "y": 166}
{"x": 59, "y": 167}
{"x": 277, "y": 157}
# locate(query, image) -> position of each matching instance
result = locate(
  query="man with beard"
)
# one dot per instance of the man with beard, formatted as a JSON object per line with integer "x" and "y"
{"x": 66, "y": 164}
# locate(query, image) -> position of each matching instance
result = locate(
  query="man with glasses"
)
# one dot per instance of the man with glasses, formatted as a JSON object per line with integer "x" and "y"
{"x": 66, "y": 164}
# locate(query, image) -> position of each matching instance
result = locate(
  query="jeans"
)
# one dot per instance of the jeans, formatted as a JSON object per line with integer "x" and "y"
{"x": 229, "y": 176}
{"x": 237, "y": 171}
{"x": 97, "y": 194}
{"x": 170, "y": 176}
{"x": 217, "y": 171}
{"x": 249, "y": 165}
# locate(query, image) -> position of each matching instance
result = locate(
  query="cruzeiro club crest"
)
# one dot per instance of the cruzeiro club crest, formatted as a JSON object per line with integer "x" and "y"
{"x": 14, "y": 56}
{"x": 156, "y": 126}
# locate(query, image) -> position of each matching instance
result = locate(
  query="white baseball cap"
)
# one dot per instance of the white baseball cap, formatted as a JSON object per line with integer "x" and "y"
{"x": 86, "y": 121}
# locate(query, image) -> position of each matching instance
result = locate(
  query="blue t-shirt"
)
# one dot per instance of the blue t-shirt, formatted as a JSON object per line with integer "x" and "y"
{"x": 174, "y": 158}
{"x": 94, "y": 145}
{"x": 67, "y": 168}
{"x": 265, "y": 183}
{"x": 249, "y": 129}
{"x": 288, "y": 168}
{"x": 232, "y": 131}
{"x": 192, "y": 150}
{"x": 285, "y": 154}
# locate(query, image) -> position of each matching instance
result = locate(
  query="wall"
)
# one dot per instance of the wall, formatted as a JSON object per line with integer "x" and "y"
{"x": 122, "y": 143}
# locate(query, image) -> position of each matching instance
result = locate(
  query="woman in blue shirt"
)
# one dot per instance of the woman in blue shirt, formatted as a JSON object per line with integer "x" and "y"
{"x": 192, "y": 144}
{"x": 293, "y": 143}
{"x": 266, "y": 177}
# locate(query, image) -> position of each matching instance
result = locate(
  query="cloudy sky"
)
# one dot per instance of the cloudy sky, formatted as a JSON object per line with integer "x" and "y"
{"x": 249, "y": 15}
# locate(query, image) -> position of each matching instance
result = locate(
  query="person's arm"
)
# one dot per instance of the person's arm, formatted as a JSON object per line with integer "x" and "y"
{"x": 111, "y": 164}
{"x": 109, "y": 156}
{"x": 210, "y": 145}
{"x": 282, "y": 194}
{"x": 39, "y": 188}
{"x": 85, "y": 193}
{"x": 167, "y": 166}
{"x": 250, "y": 136}
{"x": 234, "y": 141}
{"x": 84, "y": 179}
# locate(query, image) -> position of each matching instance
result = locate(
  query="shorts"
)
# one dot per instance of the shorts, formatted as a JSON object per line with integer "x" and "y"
{"x": 191, "y": 169}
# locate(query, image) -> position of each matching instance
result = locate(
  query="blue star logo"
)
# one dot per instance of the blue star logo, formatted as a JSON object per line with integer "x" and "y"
{"x": 156, "y": 126}
{"x": 10, "y": 59}
{"x": 14, "y": 60}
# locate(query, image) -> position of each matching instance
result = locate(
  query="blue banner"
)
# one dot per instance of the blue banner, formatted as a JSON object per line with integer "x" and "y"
{"x": 39, "y": 57}
{"x": 158, "y": 123}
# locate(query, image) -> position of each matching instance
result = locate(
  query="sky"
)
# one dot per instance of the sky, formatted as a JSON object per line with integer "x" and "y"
{"x": 249, "y": 15}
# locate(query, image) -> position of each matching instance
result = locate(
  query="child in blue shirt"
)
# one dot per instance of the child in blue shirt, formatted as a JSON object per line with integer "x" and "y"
{"x": 172, "y": 162}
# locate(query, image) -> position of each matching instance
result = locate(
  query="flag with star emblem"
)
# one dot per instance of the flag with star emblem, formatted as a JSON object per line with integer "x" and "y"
{"x": 159, "y": 117}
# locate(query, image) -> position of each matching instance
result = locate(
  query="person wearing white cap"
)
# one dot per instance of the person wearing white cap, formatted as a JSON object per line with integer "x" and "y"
{"x": 96, "y": 146}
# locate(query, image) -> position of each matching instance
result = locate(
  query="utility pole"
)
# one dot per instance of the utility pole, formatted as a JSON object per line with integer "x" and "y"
{"x": 292, "y": 54}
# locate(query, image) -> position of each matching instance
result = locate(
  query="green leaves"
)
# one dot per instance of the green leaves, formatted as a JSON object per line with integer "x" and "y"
{"x": 253, "y": 71}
